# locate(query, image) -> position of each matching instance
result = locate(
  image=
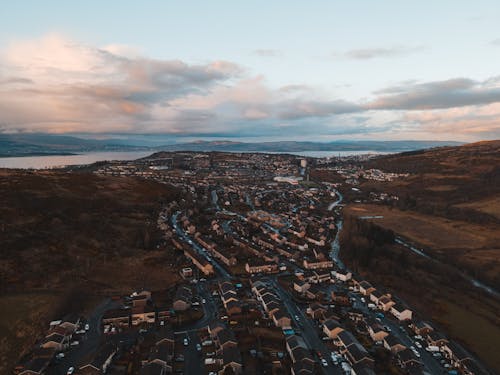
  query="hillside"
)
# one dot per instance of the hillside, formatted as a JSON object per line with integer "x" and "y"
{"x": 69, "y": 237}
{"x": 449, "y": 207}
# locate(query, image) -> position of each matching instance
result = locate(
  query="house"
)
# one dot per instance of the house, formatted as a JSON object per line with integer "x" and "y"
{"x": 257, "y": 266}
{"x": 401, "y": 312}
{"x": 319, "y": 277}
{"x": 301, "y": 286}
{"x": 376, "y": 331}
{"x": 70, "y": 324}
{"x": 385, "y": 303}
{"x": 344, "y": 340}
{"x": 421, "y": 328}
{"x": 456, "y": 354}
{"x": 143, "y": 314}
{"x": 100, "y": 362}
{"x": 152, "y": 369}
{"x": 233, "y": 308}
{"x": 35, "y": 366}
{"x": 214, "y": 328}
{"x": 356, "y": 315}
{"x": 356, "y": 354}
{"x": 340, "y": 297}
{"x": 312, "y": 264}
{"x": 163, "y": 313}
{"x": 332, "y": 328}
{"x": 117, "y": 317}
{"x": 162, "y": 354}
{"x": 342, "y": 275}
{"x": 435, "y": 338}
{"x": 303, "y": 363}
{"x": 315, "y": 292}
{"x": 183, "y": 298}
{"x": 57, "y": 341}
{"x": 361, "y": 369}
{"x": 393, "y": 344}
{"x": 316, "y": 311}
{"x": 376, "y": 295}
{"x": 225, "y": 338}
{"x": 231, "y": 359}
{"x": 406, "y": 358}
{"x": 365, "y": 288}
{"x": 281, "y": 319}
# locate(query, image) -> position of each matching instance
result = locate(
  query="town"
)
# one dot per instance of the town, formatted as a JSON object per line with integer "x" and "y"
{"x": 263, "y": 288}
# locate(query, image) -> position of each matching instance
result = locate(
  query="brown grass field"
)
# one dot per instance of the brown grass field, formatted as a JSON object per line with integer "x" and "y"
{"x": 490, "y": 206}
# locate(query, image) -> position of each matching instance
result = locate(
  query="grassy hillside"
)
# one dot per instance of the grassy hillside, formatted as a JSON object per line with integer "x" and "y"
{"x": 69, "y": 237}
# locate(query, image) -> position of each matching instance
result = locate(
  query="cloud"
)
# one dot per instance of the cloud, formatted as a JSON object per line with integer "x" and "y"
{"x": 374, "y": 53}
{"x": 458, "y": 92}
{"x": 495, "y": 42}
{"x": 54, "y": 84}
{"x": 267, "y": 53}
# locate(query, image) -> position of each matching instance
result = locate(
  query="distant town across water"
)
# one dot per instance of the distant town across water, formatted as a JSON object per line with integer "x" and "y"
{"x": 54, "y": 161}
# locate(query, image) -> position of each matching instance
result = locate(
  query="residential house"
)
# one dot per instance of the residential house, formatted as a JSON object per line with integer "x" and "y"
{"x": 407, "y": 359}
{"x": 301, "y": 286}
{"x": 356, "y": 354}
{"x": 332, "y": 328}
{"x": 365, "y": 288}
{"x": 421, "y": 328}
{"x": 183, "y": 298}
{"x": 100, "y": 362}
{"x": 117, "y": 317}
{"x": 316, "y": 311}
{"x": 385, "y": 303}
{"x": 342, "y": 275}
{"x": 435, "y": 338}
{"x": 376, "y": 331}
{"x": 393, "y": 344}
{"x": 256, "y": 266}
{"x": 281, "y": 319}
{"x": 401, "y": 312}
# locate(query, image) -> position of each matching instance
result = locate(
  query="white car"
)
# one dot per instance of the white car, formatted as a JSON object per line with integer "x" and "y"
{"x": 419, "y": 345}
{"x": 324, "y": 363}
{"x": 198, "y": 347}
{"x": 87, "y": 327}
{"x": 60, "y": 355}
{"x": 186, "y": 342}
{"x": 70, "y": 371}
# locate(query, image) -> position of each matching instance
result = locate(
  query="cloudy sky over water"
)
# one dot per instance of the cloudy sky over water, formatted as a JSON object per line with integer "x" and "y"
{"x": 316, "y": 70}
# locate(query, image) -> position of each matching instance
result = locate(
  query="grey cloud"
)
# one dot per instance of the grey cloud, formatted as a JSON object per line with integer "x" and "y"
{"x": 267, "y": 53}
{"x": 495, "y": 42}
{"x": 15, "y": 80}
{"x": 381, "y": 52}
{"x": 297, "y": 109}
{"x": 458, "y": 92}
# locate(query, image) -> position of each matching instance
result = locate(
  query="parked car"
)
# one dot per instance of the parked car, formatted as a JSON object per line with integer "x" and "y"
{"x": 70, "y": 371}
{"x": 87, "y": 327}
{"x": 324, "y": 363}
{"x": 186, "y": 342}
{"x": 198, "y": 347}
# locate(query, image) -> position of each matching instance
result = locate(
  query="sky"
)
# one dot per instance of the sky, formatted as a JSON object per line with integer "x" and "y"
{"x": 254, "y": 70}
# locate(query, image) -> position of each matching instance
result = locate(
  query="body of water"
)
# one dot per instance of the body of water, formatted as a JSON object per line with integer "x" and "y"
{"x": 54, "y": 161}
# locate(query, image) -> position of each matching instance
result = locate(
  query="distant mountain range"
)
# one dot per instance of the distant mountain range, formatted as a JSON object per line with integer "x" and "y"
{"x": 297, "y": 146}
{"x": 48, "y": 144}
